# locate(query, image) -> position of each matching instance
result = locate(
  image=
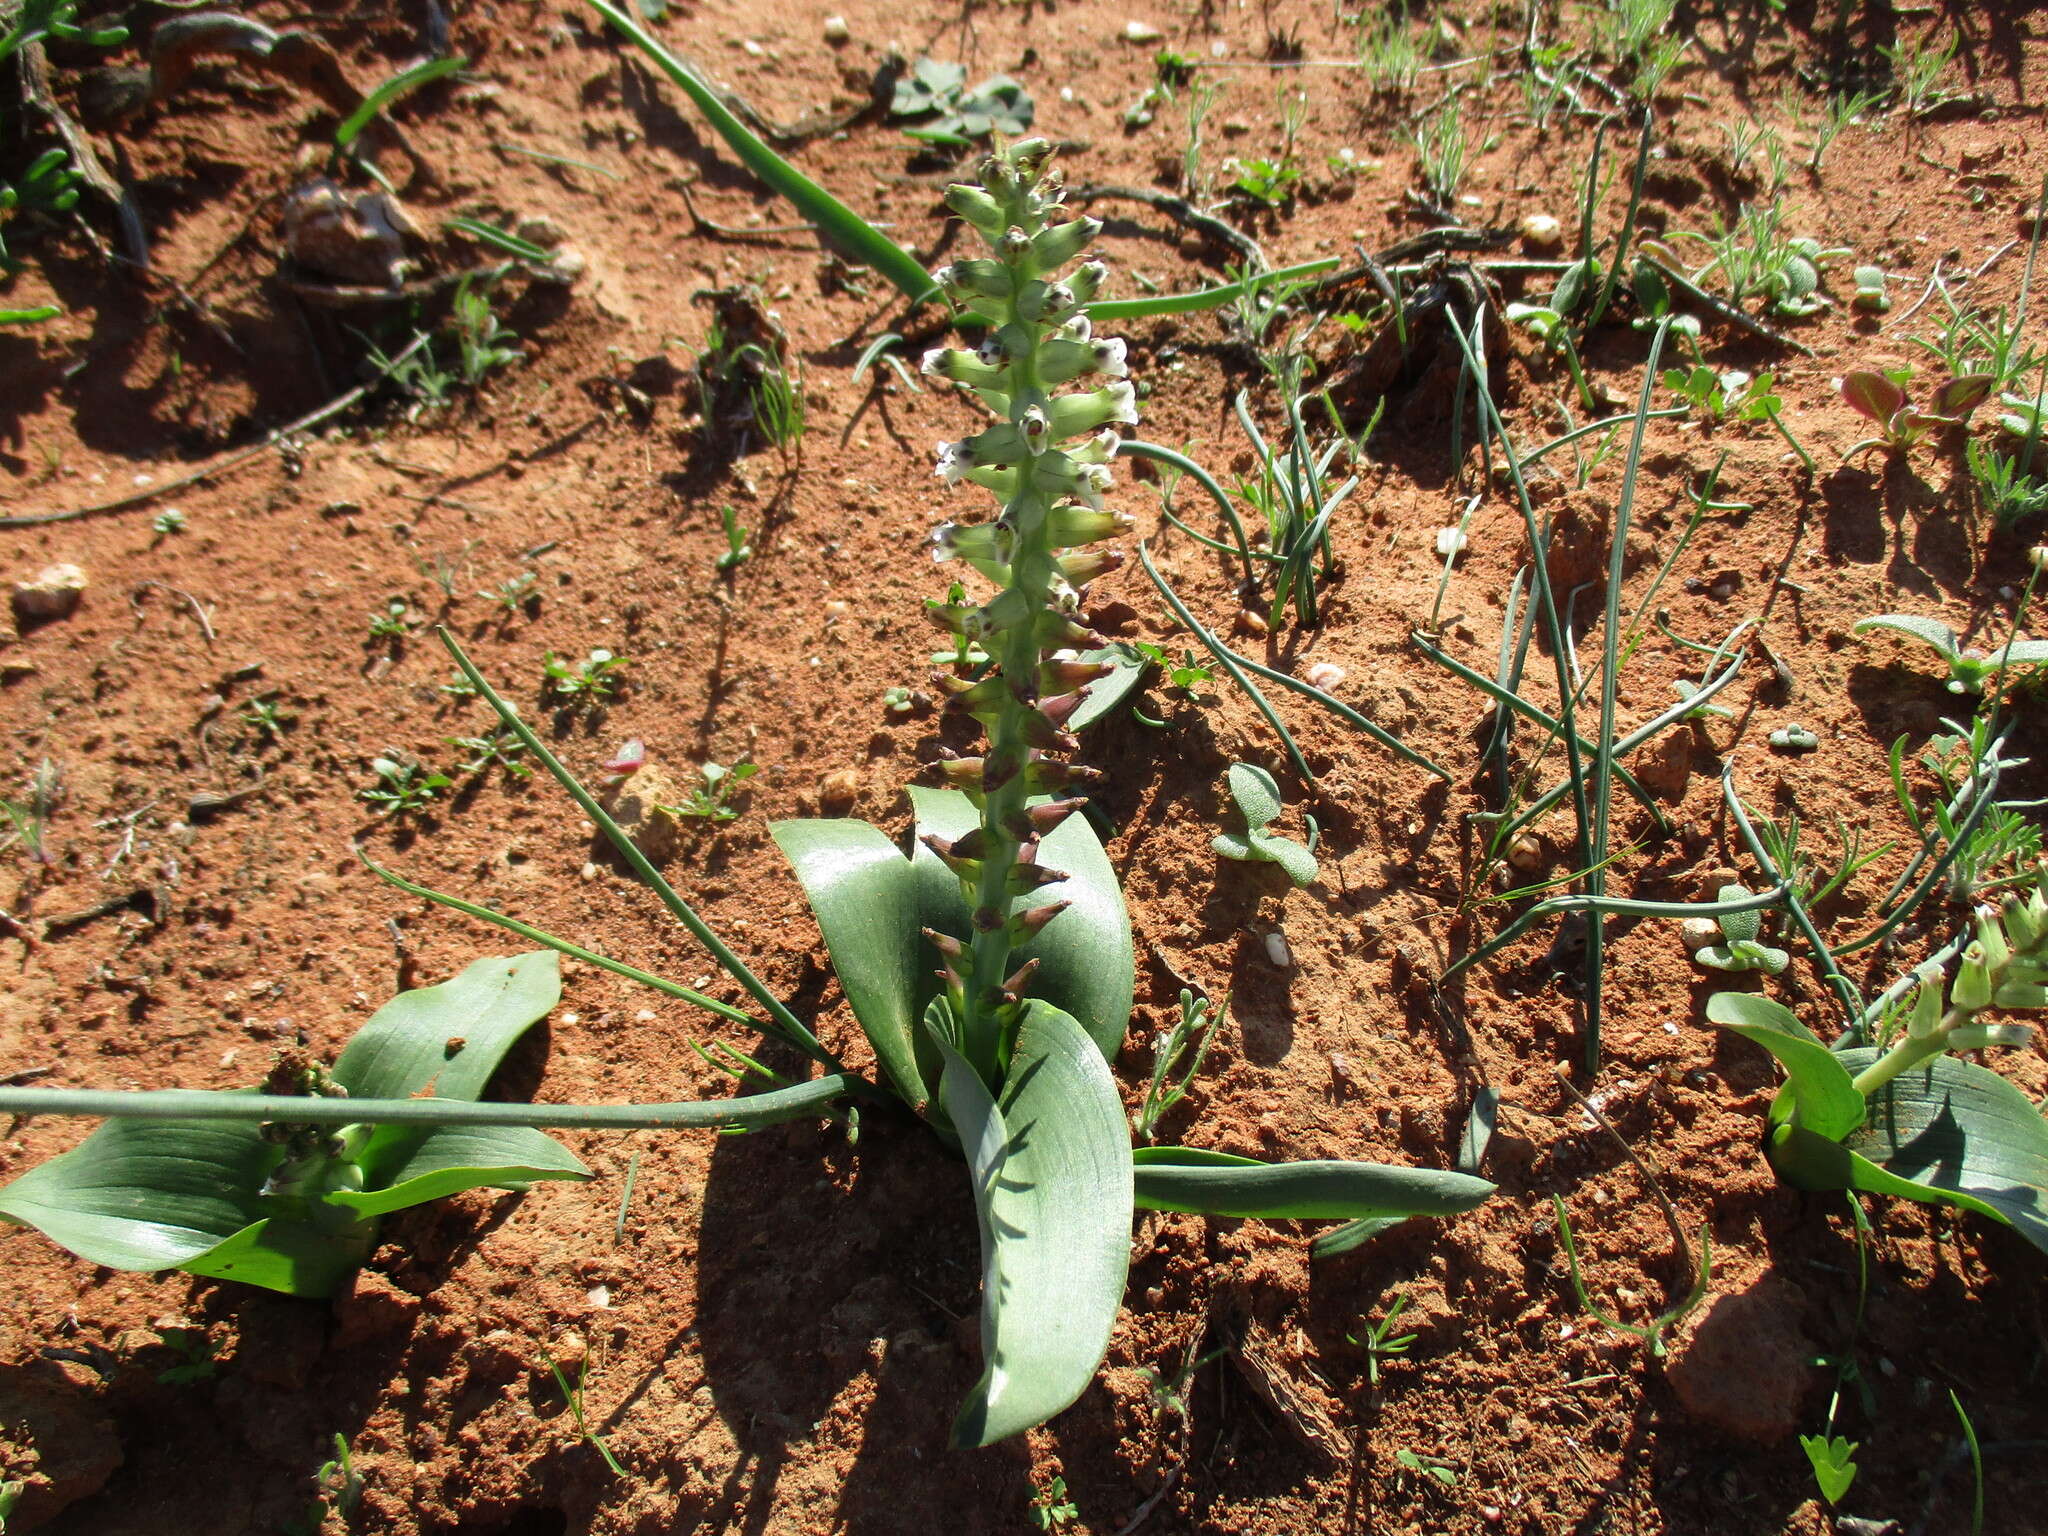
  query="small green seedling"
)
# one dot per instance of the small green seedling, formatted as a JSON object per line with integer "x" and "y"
{"x": 1870, "y": 295}
{"x": 709, "y": 801}
{"x": 1714, "y": 395}
{"x": 737, "y": 550}
{"x": 1653, "y": 303}
{"x": 572, "y": 1397}
{"x": 1968, "y": 670}
{"x": 1187, "y": 674}
{"x": 1902, "y": 426}
{"x": 1258, "y": 801}
{"x": 1433, "y": 1466}
{"x": 196, "y": 1352}
{"x": 2004, "y": 487}
{"x": 264, "y": 717}
{"x": 393, "y": 624}
{"x": 514, "y": 594}
{"x": 1739, "y": 948}
{"x": 499, "y": 749}
{"x": 1199, "y": 1020}
{"x": 1793, "y": 738}
{"x": 899, "y": 700}
{"x": 1685, "y": 688}
{"x": 1052, "y": 1509}
{"x": 482, "y": 344}
{"x": 30, "y": 815}
{"x": 167, "y": 522}
{"x": 958, "y": 117}
{"x": 1834, "y": 1464}
{"x": 404, "y": 787}
{"x": 586, "y": 682}
{"x": 1378, "y": 1346}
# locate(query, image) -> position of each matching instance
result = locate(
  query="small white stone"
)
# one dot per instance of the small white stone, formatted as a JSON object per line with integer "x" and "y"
{"x": 753, "y": 49}
{"x": 1276, "y": 949}
{"x": 599, "y": 1296}
{"x": 1541, "y": 232}
{"x": 1141, "y": 32}
{"x": 1696, "y": 933}
{"x": 1451, "y": 541}
{"x": 1324, "y": 675}
{"x": 54, "y": 593}
{"x": 837, "y": 31}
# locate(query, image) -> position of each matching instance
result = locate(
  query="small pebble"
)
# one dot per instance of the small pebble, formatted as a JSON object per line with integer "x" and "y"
{"x": 1276, "y": 949}
{"x": 837, "y": 31}
{"x": 1541, "y": 232}
{"x": 1696, "y": 933}
{"x": 1141, "y": 32}
{"x": 54, "y": 593}
{"x": 1324, "y": 675}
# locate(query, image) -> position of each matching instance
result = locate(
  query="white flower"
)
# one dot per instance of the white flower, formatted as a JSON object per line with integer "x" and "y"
{"x": 934, "y": 361}
{"x": 1122, "y": 401}
{"x": 955, "y": 460}
{"x": 1110, "y": 360}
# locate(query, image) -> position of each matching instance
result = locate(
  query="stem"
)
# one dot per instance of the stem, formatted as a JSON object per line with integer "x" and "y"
{"x": 198, "y": 1104}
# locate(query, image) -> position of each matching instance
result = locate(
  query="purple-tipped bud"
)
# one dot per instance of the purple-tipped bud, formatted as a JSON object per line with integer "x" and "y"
{"x": 966, "y": 869}
{"x": 961, "y": 772}
{"x": 1047, "y": 774}
{"x": 1084, "y": 566}
{"x": 986, "y": 919}
{"x": 1019, "y": 979}
{"x": 945, "y": 943}
{"x": 1059, "y": 673}
{"x": 1026, "y": 926}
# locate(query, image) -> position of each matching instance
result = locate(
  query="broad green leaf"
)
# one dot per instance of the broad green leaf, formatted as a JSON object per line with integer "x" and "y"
{"x": 867, "y": 901}
{"x": 1823, "y": 1097}
{"x": 1744, "y": 926}
{"x": 1933, "y": 631}
{"x": 1257, "y": 796}
{"x": 1105, "y": 693}
{"x": 450, "y": 1038}
{"x": 1217, "y": 1184}
{"x": 1085, "y": 962}
{"x": 1052, "y": 1187}
{"x": 297, "y": 1256}
{"x": 449, "y": 1159}
{"x": 147, "y": 1194}
{"x": 1353, "y": 1234}
{"x": 1957, "y": 1131}
{"x": 1872, "y": 394}
{"x": 1298, "y": 863}
{"x": 1231, "y": 846}
{"x": 1834, "y": 1464}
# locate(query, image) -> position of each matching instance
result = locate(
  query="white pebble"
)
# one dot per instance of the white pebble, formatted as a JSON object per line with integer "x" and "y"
{"x": 836, "y": 30}
{"x": 1141, "y": 32}
{"x": 1451, "y": 541}
{"x": 1276, "y": 949}
{"x": 1324, "y": 675}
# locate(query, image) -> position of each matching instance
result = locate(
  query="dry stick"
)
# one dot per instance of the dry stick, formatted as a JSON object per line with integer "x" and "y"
{"x": 1186, "y": 213}
{"x": 199, "y": 613}
{"x": 225, "y": 462}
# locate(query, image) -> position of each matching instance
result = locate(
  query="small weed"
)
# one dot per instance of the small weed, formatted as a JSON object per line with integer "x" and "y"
{"x": 1917, "y": 71}
{"x": 737, "y": 550}
{"x": 1812, "y": 881}
{"x": 1187, "y": 674}
{"x": 1258, "y": 801}
{"x": 1052, "y": 1509}
{"x": 2002, "y": 489}
{"x": 1903, "y": 426}
{"x": 265, "y": 718}
{"x": 1968, "y": 670}
{"x": 167, "y": 522}
{"x": 1443, "y": 153}
{"x": 1755, "y": 258}
{"x": 194, "y": 1348}
{"x": 1378, "y": 1346}
{"x": 711, "y": 800}
{"x": 956, "y": 116}
{"x": 404, "y": 786}
{"x": 1840, "y": 112}
{"x": 31, "y": 814}
{"x": 482, "y": 344}
{"x": 1870, "y": 297}
{"x": 417, "y": 375}
{"x": 1199, "y": 1020}
{"x": 514, "y": 595}
{"x": 459, "y": 687}
{"x": 572, "y": 1396}
{"x": 500, "y": 749}
{"x": 1424, "y": 1465}
{"x": 1834, "y": 1464}
{"x": 1389, "y": 49}
{"x": 393, "y": 624}
{"x": 580, "y": 683}
{"x": 444, "y": 570}
{"x": 1738, "y": 948}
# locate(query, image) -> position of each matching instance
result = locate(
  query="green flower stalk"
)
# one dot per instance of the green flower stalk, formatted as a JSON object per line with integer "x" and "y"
{"x": 2005, "y": 967}
{"x": 1046, "y": 457}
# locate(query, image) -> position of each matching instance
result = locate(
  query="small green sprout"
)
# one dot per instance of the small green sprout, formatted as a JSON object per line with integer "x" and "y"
{"x": 404, "y": 787}
{"x": 1834, "y": 1464}
{"x": 1052, "y": 1509}
{"x": 265, "y": 718}
{"x": 168, "y": 522}
{"x": 585, "y": 682}
{"x": 1739, "y": 949}
{"x": 572, "y": 1397}
{"x": 482, "y": 344}
{"x": 1685, "y": 688}
{"x": 899, "y": 700}
{"x": 1968, "y": 670}
{"x": 710, "y": 801}
{"x": 1870, "y": 295}
{"x": 1187, "y": 675}
{"x": 513, "y": 594}
{"x": 1258, "y": 801}
{"x": 1434, "y": 1466}
{"x": 737, "y": 550}
{"x": 195, "y": 1349}
{"x": 2007, "y": 492}
{"x": 393, "y": 624}
{"x": 1199, "y": 1020}
{"x": 499, "y": 749}
{"x": 1377, "y": 1345}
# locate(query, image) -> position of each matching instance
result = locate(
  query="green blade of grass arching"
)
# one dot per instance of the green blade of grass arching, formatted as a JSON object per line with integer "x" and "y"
{"x": 401, "y": 84}
{"x": 1823, "y": 957}
{"x": 1610, "y": 686}
{"x": 1112, "y": 310}
{"x": 856, "y": 238}
{"x": 1135, "y": 448}
{"x": 787, "y": 1024}
{"x": 500, "y": 240}
{"x": 1607, "y": 906}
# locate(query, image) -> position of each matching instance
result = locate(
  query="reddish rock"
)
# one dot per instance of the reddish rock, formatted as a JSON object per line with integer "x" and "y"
{"x": 1745, "y": 1366}
{"x": 56, "y": 1439}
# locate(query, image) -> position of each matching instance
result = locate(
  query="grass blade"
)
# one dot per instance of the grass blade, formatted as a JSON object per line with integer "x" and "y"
{"x": 839, "y": 225}
{"x": 401, "y": 84}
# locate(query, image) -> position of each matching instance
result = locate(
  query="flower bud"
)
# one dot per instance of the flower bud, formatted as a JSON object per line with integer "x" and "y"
{"x": 2026, "y": 918}
{"x": 1926, "y": 1015}
{"x": 977, "y": 208}
{"x": 1086, "y": 565}
{"x": 1075, "y": 414}
{"x": 1028, "y": 924}
{"x": 1971, "y": 989}
{"x": 966, "y": 869}
{"x": 1068, "y": 526}
{"x": 1012, "y": 244}
{"x": 962, "y": 367}
{"x": 962, "y": 772}
{"x": 981, "y": 278}
{"x": 1060, "y": 360}
{"x": 1991, "y": 939}
{"x": 1053, "y": 248}
{"x": 2021, "y": 994}
{"x": 1029, "y": 156}
{"x": 1087, "y": 281}
{"x": 1036, "y": 429}
{"x": 1043, "y": 775}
